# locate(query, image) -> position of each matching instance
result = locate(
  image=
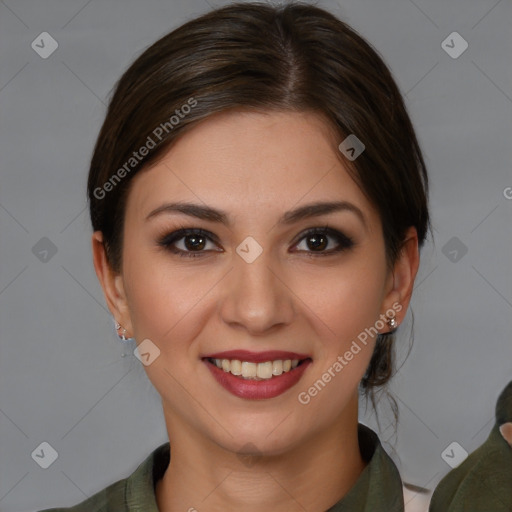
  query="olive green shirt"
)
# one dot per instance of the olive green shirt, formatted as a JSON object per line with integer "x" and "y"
{"x": 483, "y": 482}
{"x": 378, "y": 488}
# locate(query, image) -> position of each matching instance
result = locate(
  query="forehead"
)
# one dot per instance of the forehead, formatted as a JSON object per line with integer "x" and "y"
{"x": 242, "y": 161}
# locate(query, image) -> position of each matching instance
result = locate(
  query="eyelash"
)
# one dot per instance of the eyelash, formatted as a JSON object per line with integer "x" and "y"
{"x": 168, "y": 240}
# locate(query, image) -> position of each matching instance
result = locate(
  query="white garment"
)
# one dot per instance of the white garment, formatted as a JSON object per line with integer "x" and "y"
{"x": 416, "y": 501}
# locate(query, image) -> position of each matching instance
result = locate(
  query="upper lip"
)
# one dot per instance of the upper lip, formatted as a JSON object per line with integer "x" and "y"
{"x": 256, "y": 357}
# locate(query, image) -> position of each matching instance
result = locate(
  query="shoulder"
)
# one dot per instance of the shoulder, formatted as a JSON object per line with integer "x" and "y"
{"x": 136, "y": 492}
{"x": 483, "y": 480}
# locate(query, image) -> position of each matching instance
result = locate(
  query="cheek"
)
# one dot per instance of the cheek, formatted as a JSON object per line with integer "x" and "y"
{"x": 170, "y": 303}
{"x": 347, "y": 299}
{"x": 168, "y": 307}
{"x": 163, "y": 303}
{"x": 347, "y": 305}
{"x": 347, "y": 348}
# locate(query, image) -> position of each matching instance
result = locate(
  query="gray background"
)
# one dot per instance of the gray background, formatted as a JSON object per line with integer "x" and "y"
{"x": 65, "y": 378}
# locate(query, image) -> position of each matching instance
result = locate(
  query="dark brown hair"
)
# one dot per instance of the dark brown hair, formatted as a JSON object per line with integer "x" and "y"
{"x": 260, "y": 57}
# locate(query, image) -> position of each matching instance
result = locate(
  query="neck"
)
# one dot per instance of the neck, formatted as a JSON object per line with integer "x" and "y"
{"x": 203, "y": 476}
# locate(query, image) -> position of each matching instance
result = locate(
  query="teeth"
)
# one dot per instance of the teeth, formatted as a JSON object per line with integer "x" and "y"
{"x": 264, "y": 370}
{"x": 277, "y": 367}
{"x": 249, "y": 370}
{"x": 256, "y": 371}
{"x": 236, "y": 367}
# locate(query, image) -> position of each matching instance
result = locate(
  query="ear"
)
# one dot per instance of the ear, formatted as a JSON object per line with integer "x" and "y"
{"x": 112, "y": 284}
{"x": 400, "y": 282}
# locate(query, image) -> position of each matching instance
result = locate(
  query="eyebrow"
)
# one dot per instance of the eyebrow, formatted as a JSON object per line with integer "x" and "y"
{"x": 303, "y": 212}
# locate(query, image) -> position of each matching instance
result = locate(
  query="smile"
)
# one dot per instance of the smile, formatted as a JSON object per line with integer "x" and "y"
{"x": 257, "y": 375}
{"x": 256, "y": 371}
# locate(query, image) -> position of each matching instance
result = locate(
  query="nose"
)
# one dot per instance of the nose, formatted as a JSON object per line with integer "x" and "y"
{"x": 256, "y": 296}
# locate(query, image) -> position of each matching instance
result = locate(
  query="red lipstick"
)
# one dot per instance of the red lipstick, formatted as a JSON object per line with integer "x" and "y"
{"x": 257, "y": 389}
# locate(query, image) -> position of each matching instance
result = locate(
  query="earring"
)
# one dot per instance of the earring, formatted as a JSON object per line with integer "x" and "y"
{"x": 393, "y": 324}
{"x": 122, "y": 336}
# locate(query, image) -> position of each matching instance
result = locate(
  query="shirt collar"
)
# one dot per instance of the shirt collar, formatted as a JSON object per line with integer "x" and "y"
{"x": 379, "y": 486}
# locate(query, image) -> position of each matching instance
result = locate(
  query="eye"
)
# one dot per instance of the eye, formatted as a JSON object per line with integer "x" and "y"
{"x": 316, "y": 240}
{"x": 190, "y": 240}
{"x": 193, "y": 242}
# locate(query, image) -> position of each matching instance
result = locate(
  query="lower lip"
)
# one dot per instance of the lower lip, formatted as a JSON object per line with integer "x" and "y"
{"x": 258, "y": 389}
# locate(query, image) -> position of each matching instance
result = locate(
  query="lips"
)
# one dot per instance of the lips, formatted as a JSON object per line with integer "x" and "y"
{"x": 253, "y": 387}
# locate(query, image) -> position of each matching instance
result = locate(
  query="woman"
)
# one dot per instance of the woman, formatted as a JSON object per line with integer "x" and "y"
{"x": 258, "y": 199}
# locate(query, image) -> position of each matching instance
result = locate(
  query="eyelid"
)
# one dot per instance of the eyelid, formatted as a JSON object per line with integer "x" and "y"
{"x": 344, "y": 242}
{"x": 167, "y": 240}
{"x": 338, "y": 235}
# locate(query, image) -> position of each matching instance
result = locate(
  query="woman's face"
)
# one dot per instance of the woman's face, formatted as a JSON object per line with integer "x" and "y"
{"x": 255, "y": 281}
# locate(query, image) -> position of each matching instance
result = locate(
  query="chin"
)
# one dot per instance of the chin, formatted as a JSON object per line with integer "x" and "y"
{"x": 262, "y": 437}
